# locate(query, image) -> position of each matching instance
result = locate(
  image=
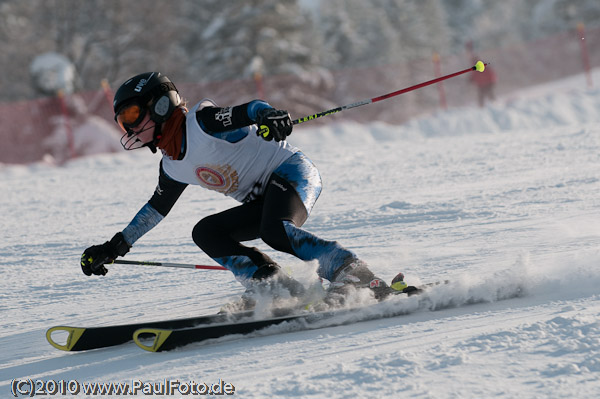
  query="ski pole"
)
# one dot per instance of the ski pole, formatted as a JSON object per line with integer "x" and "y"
{"x": 164, "y": 264}
{"x": 479, "y": 67}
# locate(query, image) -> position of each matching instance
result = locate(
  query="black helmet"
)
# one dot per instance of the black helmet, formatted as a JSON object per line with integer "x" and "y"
{"x": 148, "y": 92}
{"x": 149, "y": 87}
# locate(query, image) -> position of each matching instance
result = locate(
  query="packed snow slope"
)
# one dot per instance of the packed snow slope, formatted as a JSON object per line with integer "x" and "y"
{"x": 492, "y": 198}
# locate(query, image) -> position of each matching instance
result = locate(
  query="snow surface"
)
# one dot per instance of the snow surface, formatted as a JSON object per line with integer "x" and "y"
{"x": 492, "y": 199}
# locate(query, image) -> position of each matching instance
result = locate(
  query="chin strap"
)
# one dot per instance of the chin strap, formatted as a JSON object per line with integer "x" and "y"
{"x": 151, "y": 146}
{"x": 156, "y": 139}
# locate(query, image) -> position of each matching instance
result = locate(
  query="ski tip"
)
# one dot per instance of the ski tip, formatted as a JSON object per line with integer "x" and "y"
{"x": 479, "y": 66}
{"x": 157, "y": 335}
{"x": 74, "y": 334}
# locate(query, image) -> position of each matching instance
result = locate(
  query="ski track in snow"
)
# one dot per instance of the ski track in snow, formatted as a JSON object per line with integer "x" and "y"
{"x": 490, "y": 199}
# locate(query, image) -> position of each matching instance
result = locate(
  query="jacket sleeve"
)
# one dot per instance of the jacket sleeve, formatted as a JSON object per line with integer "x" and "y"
{"x": 165, "y": 195}
{"x": 217, "y": 119}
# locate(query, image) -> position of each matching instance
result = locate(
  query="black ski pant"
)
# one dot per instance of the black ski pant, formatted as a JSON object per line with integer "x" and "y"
{"x": 221, "y": 235}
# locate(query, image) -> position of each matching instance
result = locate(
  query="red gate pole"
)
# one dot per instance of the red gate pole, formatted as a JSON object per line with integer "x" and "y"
{"x": 258, "y": 81}
{"x": 107, "y": 92}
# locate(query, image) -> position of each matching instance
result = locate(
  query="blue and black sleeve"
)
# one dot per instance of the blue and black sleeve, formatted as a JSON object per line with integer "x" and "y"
{"x": 217, "y": 119}
{"x": 165, "y": 195}
{"x": 167, "y": 192}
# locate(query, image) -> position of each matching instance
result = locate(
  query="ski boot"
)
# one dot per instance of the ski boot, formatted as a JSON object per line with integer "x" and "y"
{"x": 356, "y": 275}
{"x": 399, "y": 286}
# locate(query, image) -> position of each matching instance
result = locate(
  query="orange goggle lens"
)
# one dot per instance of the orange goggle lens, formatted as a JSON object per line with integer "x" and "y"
{"x": 130, "y": 116}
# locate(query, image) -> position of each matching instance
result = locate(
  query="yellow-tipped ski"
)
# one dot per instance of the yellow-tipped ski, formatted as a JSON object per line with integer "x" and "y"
{"x": 160, "y": 337}
{"x": 74, "y": 334}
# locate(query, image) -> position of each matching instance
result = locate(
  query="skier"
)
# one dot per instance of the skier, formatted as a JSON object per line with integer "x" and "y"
{"x": 239, "y": 151}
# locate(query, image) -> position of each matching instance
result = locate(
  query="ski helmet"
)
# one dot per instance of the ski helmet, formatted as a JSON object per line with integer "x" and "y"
{"x": 152, "y": 92}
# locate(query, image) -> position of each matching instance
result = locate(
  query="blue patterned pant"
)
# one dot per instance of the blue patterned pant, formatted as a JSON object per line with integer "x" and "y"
{"x": 276, "y": 218}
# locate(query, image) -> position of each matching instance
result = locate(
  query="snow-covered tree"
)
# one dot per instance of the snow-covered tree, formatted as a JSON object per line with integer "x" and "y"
{"x": 211, "y": 40}
{"x": 275, "y": 34}
{"x": 102, "y": 38}
{"x": 498, "y": 24}
{"x": 370, "y": 33}
{"x": 549, "y": 16}
{"x": 361, "y": 33}
{"x": 271, "y": 38}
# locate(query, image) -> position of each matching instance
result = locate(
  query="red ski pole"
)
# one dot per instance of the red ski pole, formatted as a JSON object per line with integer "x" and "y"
{"x": 479, "y": 67}
{"x": 164, "y": 264}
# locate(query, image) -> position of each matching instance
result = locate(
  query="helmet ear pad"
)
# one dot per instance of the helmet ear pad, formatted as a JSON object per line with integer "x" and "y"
{"x": 163, "y": 106}
{"x": 160, "y": 111}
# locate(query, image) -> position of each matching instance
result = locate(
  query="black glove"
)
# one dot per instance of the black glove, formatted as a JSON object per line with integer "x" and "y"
{"x": 94, "y": 258}
{"x": 273, "y": 124}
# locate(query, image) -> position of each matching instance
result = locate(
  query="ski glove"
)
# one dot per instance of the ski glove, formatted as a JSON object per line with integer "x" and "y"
{"x": 94, "y": 258}
{"x": 273, "y": 124}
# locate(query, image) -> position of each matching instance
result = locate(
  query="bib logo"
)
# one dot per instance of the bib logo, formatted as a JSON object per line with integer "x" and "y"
{"x": 220, "y": 178}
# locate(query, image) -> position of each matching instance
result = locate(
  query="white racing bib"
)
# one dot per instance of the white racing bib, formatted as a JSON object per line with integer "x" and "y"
{"x": 239, "y": 170}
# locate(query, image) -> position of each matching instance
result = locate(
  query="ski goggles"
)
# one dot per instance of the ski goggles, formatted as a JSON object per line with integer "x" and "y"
{"x": 130, "y": 116}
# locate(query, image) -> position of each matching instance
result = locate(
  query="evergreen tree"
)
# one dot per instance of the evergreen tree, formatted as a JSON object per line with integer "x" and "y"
{"x": 276, "y": 34}
{"x": 271, "y": 38}
{"x": 551, "y": 16}
{"x": 360, "y": 33}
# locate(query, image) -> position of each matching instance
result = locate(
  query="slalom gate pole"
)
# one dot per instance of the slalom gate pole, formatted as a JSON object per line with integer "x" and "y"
{"x": 164, "y": 264}
{"x": 479, "y": 67}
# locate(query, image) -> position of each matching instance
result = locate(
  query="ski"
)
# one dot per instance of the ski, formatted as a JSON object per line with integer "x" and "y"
{"x": 172, "y": 333}
{"x": 86, "y": 338}
{"x": 164, "y": 339}
{"x": 157, "y": 339}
